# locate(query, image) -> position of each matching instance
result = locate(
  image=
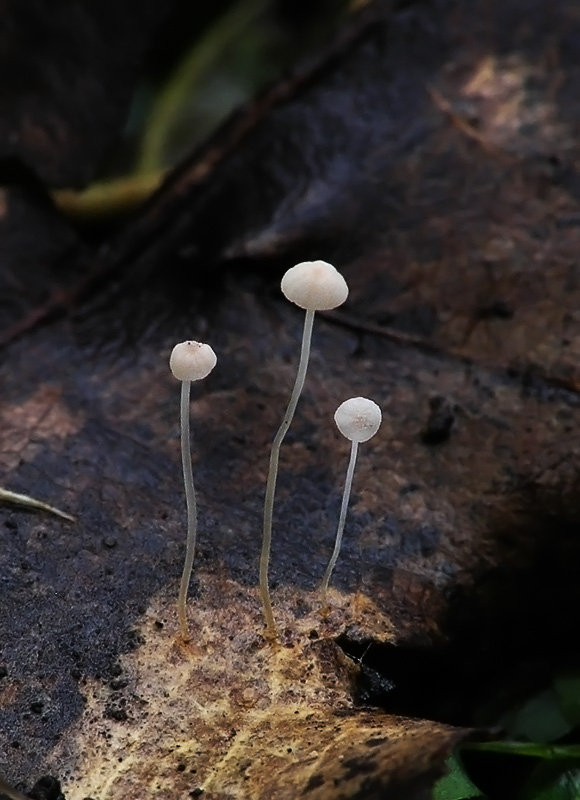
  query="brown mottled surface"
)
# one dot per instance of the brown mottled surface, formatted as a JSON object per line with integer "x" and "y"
{"x": 460, "y": 564}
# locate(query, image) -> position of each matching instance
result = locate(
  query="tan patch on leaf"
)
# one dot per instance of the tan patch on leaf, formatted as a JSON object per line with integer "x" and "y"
{"x": 236, "y": 716}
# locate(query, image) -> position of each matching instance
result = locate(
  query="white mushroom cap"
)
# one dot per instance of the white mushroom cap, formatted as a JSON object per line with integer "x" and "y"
{"x": 315, "y": 286}
{"x": 358, "y": 419}
{"x": 192, "y": 361}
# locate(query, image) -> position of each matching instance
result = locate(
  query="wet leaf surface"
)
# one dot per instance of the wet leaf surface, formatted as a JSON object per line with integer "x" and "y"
{"x": 72, "y": 69}
{"x": 460, "y": 565}
{"x": 42, "y": 260}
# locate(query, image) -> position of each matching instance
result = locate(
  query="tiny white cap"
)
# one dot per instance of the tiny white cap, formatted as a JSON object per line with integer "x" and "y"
{"x": 315, "y": 286}
{"x": 192, "y": 361}
{"x": 358, "y": 419}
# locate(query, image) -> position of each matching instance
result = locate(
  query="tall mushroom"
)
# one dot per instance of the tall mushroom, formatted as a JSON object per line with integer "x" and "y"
{"x": 189, "y": 361}
{"x": 313, "y": 286}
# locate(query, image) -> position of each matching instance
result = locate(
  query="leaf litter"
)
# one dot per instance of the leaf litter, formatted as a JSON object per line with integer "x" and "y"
{"x": 463, "y": 549}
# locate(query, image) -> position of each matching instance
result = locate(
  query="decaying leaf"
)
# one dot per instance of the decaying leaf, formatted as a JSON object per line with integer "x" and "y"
{"x": 236, "y": 717}
{"x": 433, "y": 186}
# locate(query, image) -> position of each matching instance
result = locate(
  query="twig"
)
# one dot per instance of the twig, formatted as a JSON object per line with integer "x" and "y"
{"x": 30, "y": 502}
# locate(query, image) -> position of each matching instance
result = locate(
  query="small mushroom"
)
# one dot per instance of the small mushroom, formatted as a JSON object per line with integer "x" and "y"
{"x": 313, "y": 286}
{"x": 358, "y": 419}
{"x": 189, "y": 361}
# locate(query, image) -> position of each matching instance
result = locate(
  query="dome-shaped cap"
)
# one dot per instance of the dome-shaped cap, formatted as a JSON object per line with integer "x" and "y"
{"x": 358, "y": 419}
{"x": 315, "y": 286}
{"x": 192, "y": 361}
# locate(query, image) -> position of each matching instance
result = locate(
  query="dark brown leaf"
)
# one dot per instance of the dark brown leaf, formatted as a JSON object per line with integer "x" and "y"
{"x": 68, "y": 72}
{"x": 461, "y": 560}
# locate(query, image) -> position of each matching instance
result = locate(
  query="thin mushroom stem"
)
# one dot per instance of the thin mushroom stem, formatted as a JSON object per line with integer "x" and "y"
{"x": 191, "y": 508}
{"x": 341, "y": 521}
{"x": 273, "y": 471}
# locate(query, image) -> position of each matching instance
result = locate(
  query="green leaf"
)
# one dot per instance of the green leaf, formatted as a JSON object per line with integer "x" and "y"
{"x": 540, "y": 720}
{"x": 548, "y": 752}
{"x": 567, "y": 688}
{"x": 455, "y": 785}
{"x": 551, "y": 781}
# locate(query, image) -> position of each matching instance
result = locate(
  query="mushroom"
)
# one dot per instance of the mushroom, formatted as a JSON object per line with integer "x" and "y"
{"x": 358, "y": 419}
{"x": 189, "y": 361}
{"x": 313, "y": 286}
